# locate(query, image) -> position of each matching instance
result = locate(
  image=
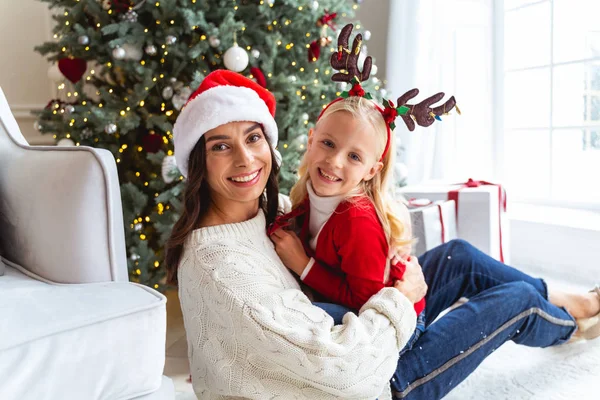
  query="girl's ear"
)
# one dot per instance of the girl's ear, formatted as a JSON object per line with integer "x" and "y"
{"x": 373, "y": 171}
{"x": 310, "y": 139}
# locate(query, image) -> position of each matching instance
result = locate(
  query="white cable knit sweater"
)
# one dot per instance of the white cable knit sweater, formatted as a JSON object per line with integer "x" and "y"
{"x": 253, "y": 334}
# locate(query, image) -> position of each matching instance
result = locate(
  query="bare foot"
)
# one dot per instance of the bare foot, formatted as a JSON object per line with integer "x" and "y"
{"x": 578, "y": 305}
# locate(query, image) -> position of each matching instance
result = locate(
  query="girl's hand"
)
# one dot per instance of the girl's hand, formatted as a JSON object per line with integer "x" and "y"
{"x": 412, "y": 284}
{"x": 289, "y": 248}
{"x": 398, "y": 256}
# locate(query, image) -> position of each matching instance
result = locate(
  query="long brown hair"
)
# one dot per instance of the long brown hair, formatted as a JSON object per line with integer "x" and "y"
{"x": 196, "y": 202}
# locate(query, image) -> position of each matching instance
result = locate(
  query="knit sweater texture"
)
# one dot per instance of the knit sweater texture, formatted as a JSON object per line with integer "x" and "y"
{"x": 253, "y": 334}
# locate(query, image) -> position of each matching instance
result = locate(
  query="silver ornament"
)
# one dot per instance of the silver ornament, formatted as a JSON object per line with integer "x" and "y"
{"x": 37, "y": 126}
{"x": 214, "y": 41}
{"x": 366, "y": 35}
{"x": 270, "y": 2}
{"x": 135, "y": 257}
{"x": 170, "y": 39}
{"x": 172, "y": 79}
{"x": 64, "y": 142}
{"x": 167, "y": 92}
{"x": 181, "y": 98}
{"x": 292, "y": 78}
{"x": 151, "y": 50}
{"x": 83, "y": 40}
{"x": 110, "y": 128}
{"x": 255, "y": 53}
{"x": 304, "y": 117}
{"x": 118, "y": 53}
{"x": 169, "y": 169}
{"x": 86, "y": 133}
{"x": 138, "y": 227}
{"x": 315, "y": 5}
{"x": 69, "y": 109}
{"x": 130, "y": 16}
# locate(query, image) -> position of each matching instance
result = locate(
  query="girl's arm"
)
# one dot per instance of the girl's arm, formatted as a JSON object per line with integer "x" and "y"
{"x": 363, "y": 250}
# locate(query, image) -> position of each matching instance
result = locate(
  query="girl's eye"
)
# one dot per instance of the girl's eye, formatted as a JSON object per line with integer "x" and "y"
{"x": 354, "y": 157}
{"x": 327, "y": 143}
{"x": 219, "y": 147}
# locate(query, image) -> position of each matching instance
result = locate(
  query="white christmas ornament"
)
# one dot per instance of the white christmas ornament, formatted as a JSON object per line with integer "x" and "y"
{"x": 54, "y": 74}
{"x": 374, "y": 69}
{"x": 214, "y": 41}
{"x": 236, "y": 58}
{"x": 181, "y": 98}
{"x": 132, "y": 52}
{"x": 167, "y": 92}
{"x": 118, "y": 53}
{"x": 83, "y": 40}
{"x": 64, "y": 142}
{"x": 383, "y": 92}
{"x": 110, "y": 128}
{"x": 255, "y": 53}
{"x": 367, "y": 35}
{"x": 169, "y": 169}
{"x": 315, "y": 5}
{"x": 170, "y": 39}
{"x": 151, "y": 50}
{"x": 304, "y": 117}
{"x": 270, "y": 2}
{"x": 69, "y": 109}
{"x": 37, "y": 126}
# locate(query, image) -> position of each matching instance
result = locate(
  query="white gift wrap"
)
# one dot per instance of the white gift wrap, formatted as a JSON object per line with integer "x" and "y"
{"x": 481, "y": 219}
{"x": 432, "y": 224}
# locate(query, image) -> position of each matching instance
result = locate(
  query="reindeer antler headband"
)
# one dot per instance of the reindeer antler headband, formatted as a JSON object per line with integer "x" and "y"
{"x": 345, "y": 60}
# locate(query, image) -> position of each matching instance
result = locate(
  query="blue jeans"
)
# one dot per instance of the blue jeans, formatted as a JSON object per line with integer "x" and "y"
{"x": 504, "y": 304}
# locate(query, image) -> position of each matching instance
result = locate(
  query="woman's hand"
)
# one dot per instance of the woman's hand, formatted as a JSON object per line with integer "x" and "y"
{"x": 289, "y": 248}
{"x": 412, "y": 284}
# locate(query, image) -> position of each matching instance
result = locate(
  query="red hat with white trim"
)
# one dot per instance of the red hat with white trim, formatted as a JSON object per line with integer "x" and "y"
{"x": 223, "y": 96}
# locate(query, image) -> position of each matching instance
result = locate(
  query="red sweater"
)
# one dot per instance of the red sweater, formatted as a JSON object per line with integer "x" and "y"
{"x": 350, "y": 256}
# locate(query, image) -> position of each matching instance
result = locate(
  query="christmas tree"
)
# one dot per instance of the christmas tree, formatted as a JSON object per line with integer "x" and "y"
{"x": 125, "y": 68}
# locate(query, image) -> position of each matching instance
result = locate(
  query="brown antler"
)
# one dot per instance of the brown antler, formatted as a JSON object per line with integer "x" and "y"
{"x": 422, "y": 112}
{"x": 346, "y": 60}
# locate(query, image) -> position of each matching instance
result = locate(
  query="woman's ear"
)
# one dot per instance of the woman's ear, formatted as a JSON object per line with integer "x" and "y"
{"x": 373, "y": 171}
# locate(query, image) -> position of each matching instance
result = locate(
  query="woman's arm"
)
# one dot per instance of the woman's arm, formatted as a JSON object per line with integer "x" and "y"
{"x": 285, "y": 331}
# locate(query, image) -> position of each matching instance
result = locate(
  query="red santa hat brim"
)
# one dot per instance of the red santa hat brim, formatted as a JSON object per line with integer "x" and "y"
{"x": 223, "y": 97}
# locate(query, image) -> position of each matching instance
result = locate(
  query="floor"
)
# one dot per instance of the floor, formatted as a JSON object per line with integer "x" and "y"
{"x": 514, "y": 372}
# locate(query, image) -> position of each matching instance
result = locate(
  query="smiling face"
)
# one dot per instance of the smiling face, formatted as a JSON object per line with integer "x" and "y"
{"x": 238, "y": 163}
{"x": 342, "y": 152}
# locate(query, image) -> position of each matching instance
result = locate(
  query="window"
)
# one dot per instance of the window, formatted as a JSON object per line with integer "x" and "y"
{"x": 551, "y": 117}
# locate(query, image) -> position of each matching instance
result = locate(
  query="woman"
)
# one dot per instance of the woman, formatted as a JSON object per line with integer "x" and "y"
{"x": 251, "y": 331}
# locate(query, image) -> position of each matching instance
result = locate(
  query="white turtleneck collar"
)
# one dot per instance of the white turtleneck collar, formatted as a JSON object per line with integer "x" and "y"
{"x": 321, "y": 209}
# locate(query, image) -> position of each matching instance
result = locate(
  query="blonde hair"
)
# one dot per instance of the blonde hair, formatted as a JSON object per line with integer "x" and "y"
{"x": 393, "y": 215}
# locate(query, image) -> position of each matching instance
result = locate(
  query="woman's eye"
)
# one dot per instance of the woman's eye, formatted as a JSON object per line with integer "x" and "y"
{"x": 354, "y": 157}
{"x": 327, "y": 143}
{"x": 219, "y": 147}
{"x": 255, "y": 138}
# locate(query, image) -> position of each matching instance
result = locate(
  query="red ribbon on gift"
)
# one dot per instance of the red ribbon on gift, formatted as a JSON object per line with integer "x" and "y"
{"x": 424, "y": 203}
{"x": 471, "y": 183}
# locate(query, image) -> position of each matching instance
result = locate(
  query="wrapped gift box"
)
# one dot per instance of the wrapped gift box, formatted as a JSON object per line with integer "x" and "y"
{"x": 480, "y": 212}
{"x": 433, "y": 223}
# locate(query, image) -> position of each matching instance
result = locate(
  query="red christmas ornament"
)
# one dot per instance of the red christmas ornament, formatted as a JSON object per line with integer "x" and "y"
{"x": 72, "y": 68}
{"x": 259, "y": 76}
{"x": 120, "y": 6}
{"x": 314, "y": 51}
{"x": 327, "y": 19}
{"x": 152, "y": 142}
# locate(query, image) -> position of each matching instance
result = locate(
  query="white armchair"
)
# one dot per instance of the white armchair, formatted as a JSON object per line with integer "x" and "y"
{"x": 71, "y": 325}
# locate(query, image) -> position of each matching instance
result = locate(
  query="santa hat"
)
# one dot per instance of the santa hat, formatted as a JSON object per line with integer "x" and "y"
{"x": 223, "y": 96}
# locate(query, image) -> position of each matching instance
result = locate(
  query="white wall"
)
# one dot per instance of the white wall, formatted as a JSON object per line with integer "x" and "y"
{"x": 374, "y": 15}
{"x": 23, "y": 72}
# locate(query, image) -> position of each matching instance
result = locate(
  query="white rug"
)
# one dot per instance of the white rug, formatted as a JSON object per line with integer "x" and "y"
{"x": 565, "y": 372}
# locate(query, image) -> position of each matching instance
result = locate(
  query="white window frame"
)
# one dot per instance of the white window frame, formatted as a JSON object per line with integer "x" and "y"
{"x": 498, "y": 124}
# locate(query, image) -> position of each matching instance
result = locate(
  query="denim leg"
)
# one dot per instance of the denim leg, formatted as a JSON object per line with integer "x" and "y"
{"x": 457, "y": 269}
{"x": 336, "y": 311}
{"x": 452, "y": 348}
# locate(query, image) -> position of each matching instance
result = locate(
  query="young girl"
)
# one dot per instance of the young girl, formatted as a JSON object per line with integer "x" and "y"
{"x": 346, "y": 221}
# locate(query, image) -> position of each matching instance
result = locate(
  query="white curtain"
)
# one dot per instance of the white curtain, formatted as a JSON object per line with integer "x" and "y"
{"x": 447, "y": 46}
